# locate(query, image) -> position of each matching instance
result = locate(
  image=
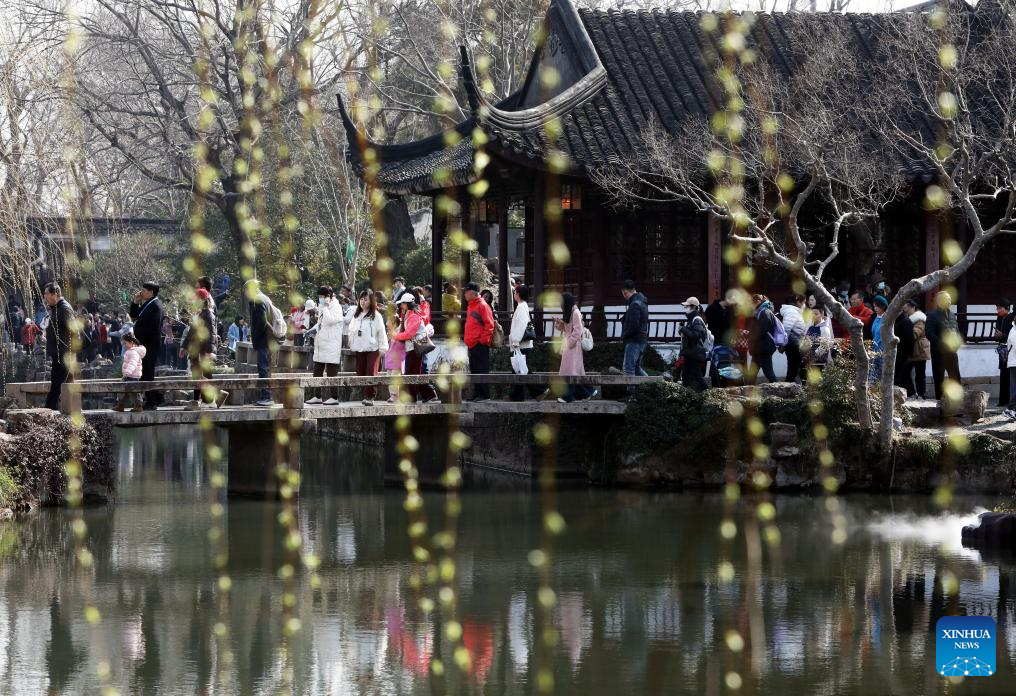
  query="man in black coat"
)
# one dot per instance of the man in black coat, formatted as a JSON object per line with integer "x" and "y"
{"x": 634, "y": 331}
{"x": 904, "y": 330}
{"x": 60, "y": 335}
{"x": 259, "y": 309}
{"x": 146, "y": 311}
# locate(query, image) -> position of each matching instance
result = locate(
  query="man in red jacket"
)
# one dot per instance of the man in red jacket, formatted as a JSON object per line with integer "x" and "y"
{"x": 861, "y": 311}
{"x": 478, "y": 335}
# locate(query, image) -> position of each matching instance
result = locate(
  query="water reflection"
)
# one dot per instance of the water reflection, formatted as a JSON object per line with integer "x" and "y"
{"x": 641, "y": 608}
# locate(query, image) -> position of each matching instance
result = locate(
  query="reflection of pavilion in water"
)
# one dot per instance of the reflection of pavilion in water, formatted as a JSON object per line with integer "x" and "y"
{"x": 636, "y": 611}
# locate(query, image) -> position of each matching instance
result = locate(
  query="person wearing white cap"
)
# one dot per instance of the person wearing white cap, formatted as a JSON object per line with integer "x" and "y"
{"x": 634, "y": 330}
{"x": 693, "y": 346}
{"x": 412, "y": 327}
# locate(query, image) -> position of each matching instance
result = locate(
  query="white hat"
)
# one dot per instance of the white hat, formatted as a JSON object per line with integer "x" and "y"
{"x": 692, "y": 302}
{"x": 309, "y": 304}
{"x": 407, "y": 297}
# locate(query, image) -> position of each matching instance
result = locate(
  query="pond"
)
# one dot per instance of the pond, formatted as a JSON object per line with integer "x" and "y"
{"x": 650, "y": 597}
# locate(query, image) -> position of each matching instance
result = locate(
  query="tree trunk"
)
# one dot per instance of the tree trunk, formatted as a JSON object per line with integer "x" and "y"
{"x": 855, "y": 327}
{"x": 887, "y": 388}
{"x": 861, "y": 376}
{"x": 229, "y": 204}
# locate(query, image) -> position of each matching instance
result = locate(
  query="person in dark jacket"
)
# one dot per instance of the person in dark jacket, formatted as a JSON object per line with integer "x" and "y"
{"x": 259, "y": 309}
{"x": 720, "y": 318}
{"x": 904, "y": 330}
{"x": 1003, "y": 324}
{"x": 693, "y": 349}
{"x": 146, "y": 311}
{"x": 60, "y": 339}
{"x": 634, "y": 330}
{"x": 761, "y": 329}
{"x": 942, "y": 329}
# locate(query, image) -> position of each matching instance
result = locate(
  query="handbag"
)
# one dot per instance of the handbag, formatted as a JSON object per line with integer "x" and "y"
{"x": 1002, "y": 350}
{"x": 422, "y": 346}
{"x": 529, "y": 334}
{"x": 421, "y": 341}
{"x": 519, "y": 365}
{"x": 587, "y": 339}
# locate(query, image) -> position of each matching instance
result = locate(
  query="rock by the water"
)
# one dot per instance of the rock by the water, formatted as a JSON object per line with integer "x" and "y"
{"x": 782, "y": 435}
{"x": 993, "y": 529}
{"x": 782, "y": 390}
{"x": 969, "y": 411}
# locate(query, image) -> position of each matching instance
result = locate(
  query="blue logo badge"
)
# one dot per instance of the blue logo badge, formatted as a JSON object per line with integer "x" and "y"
{"x": 965, "y": 646}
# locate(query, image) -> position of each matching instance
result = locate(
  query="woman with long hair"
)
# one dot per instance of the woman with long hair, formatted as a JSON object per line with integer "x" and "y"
{"x": 572, "y": 362}
{"x": 412, "y": 327}
{"x": 368, "y": 340}
{"x": 199, "y": 346}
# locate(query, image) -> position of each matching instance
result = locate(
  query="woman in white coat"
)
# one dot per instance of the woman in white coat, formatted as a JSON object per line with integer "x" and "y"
{"x": 519, "y": 338}
{"x": 328, "y": 342}
{"x": 368, "y": 340}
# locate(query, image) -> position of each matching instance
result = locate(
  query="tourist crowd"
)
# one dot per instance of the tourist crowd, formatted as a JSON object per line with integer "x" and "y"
{"x": 370, "y": 331}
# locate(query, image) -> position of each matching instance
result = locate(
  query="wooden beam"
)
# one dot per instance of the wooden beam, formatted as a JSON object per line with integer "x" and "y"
{"x": 714, "y": 251}
{"x": 504, "y": 298}
{"x": 438, "y": 225}
{"x": 932, "y": 251}
{"x": 539, "y": 243}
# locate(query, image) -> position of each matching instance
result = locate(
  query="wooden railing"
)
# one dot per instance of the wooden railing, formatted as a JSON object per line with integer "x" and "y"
{"x": 977, "y": 327}
{"x": 664, "y": 327}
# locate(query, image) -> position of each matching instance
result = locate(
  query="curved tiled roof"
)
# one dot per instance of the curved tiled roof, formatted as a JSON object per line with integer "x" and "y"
{"x": 641, "y": 67}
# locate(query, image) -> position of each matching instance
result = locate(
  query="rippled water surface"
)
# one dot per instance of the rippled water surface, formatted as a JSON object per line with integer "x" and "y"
{"x": 646, "y": 602}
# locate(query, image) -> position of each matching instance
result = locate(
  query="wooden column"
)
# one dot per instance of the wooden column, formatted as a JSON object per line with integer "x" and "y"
{"x": 438, "y": 225}
{"x": 714, "y": 260}
{"x": 932, "y": 249}
{"x": 466, "y": 220}
{"x": 504, "y": 298}
{"x": 539, "y": 237}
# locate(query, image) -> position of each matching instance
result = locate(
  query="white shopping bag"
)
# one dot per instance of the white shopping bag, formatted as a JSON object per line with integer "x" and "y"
{"x": 519, "y": 363}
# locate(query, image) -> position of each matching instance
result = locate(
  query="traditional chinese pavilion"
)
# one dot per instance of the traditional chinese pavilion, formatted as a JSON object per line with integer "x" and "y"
{"x": 621, "y": 71}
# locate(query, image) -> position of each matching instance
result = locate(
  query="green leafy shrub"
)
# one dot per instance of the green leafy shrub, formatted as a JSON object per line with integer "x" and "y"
{"x": 835, "y": 391}
{"x": 663, "y": 414}
{"x": 10, "y": 491}
{"x": 599, "y": 359}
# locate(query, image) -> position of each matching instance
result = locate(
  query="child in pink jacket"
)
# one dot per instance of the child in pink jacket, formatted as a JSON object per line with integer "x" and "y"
{"x": 132, "y": 358}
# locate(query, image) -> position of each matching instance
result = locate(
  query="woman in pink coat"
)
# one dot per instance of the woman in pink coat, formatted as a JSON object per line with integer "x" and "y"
{"x": 572, "y": 363}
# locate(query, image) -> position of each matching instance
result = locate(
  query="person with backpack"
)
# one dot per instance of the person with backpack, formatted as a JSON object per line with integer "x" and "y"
{"x": 793, "y": 322}
{"x": 147, "y": 313}
{"x": 695, "y": 336}
{"x": 478, "y": 336}
{"x": 765, "y": 334}
{"x": 331, "y": 327}
{"x": 260, "y": 307}
{"x": 634, "y": 331}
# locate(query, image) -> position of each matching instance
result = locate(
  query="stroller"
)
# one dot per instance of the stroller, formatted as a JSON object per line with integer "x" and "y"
{"x": 725, "y": 369}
